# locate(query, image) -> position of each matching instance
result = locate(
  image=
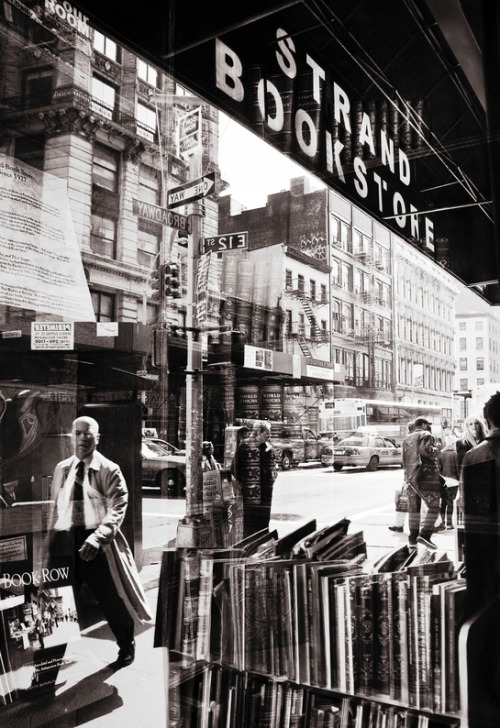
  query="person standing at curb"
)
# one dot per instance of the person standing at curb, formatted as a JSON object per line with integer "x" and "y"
{"x": 448, "y": 465}
{"x": 401, "y": 497}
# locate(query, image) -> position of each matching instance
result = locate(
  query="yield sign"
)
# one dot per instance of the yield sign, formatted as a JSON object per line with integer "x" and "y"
{"x": 191, "y": 191}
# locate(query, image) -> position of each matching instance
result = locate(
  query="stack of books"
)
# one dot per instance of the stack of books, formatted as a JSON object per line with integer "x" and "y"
{"x": 295, "y": 620}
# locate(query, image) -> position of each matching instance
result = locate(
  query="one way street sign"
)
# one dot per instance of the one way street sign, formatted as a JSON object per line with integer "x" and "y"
{"x": 191, "y": 191}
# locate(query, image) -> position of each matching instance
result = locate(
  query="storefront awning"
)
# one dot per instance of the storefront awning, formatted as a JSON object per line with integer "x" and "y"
{"x": 387, "y": 102}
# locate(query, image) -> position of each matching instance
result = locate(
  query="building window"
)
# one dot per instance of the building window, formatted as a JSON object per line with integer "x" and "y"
{"x": 103, "y": 98}
{"x": 105, "y": 46}
{"x": 300, "y": 283}
{"x": 480, "y": 382}
{"x": 149, "y": 185}
{"x": 104, "y": 306}
{"x": 149, "y": 239}
{"x": 146, "y": 121}
{"x": 461, "y": 325}
{"x": 346, "y": 276}
{"x": 288, "y": 322}
{"x": 336, "y": 315}
{"x": 463, "y": 343}
{"x": 312, "y": 289}
{"x": 336, "y": 273}
{"x": 103, "y": 235}
{"x": 479, "y": 342}
{"x": 347, "y": 314}
{"x": 302, "y": 326}
{"x": 463, "y": 363}
{"x": 105, "y": 168}
{"x": 288, "y": 280}
{"x": 38, "y": 86}
{"x": 147, "y": 73}
{"x": 479, "y": 325}
{"x": 324, "y": 295}
{"x": 464, "y": 385}
{"x": 479, "y": 363}
{"x": 324, "y": 330}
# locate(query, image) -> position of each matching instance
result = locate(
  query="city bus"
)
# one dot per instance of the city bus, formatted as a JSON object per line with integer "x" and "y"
{"x": 343, "y": 417}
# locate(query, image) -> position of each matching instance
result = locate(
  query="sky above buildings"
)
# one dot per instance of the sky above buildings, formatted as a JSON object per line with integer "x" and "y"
{"x": 252, "y": 167}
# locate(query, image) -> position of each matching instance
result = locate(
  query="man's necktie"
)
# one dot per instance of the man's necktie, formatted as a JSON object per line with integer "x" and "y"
{"x": 78, "y": 494}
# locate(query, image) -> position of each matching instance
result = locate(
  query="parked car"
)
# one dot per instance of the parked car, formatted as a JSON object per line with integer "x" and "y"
{"x": 163, "y": 467}
{"x": 294, "y": 444}
{"x": 358, "y": 450}
{"x": 172, "y": 448}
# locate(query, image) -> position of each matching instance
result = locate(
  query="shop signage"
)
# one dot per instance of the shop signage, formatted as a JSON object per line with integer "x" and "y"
{"x": 51, "y": 335}
{"x": 319, "y": 369}
{"x": 188, "y": 132}
{"x": 155, "y": 213}
{"x": 70, "y": 15}
{"x": 231, "y": 241}
{"x": 278, "y": 84}
{"x": 258, "y": 358}
{"x": 191, "y": 191}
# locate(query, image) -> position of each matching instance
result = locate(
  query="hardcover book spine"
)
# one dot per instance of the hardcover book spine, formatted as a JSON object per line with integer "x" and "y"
{"x": 413, "y": 646}
{"x": 399, "y": 674}
{"x": 436, "y": 616}
{"x": 204, "y": 610}
{"x": 190, "y": 608}
{"x": 455, "y": 615}
{"x": 383, "y": 630}
{"x": 327, "y": 630}
{"x": 366, "y": 635}
{"x": 339, "y": 656}
{"x": 301, "y": 608}
{"x": 351, "y": 636}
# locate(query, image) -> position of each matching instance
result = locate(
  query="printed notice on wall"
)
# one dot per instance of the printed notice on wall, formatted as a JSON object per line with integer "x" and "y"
{"x": 40, "y": 263}
{"x": 52, "y": 335}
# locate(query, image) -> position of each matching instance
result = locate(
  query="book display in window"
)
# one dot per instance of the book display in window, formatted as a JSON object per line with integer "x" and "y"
{"x": 38, "y": 618}
{"x": 301, "y": 639}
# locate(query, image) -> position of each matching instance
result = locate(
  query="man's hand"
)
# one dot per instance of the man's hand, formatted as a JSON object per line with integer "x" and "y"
{"x": 88, "y": 551}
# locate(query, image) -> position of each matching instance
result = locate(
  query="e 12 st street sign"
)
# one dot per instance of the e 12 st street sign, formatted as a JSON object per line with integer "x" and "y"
{"x": 231, "y": 241}
{"x": 191, "y": 191}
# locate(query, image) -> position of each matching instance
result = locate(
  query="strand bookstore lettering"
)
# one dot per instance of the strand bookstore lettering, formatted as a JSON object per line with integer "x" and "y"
{"x": 301, "y": 632}
{"x": 38, "y": 618}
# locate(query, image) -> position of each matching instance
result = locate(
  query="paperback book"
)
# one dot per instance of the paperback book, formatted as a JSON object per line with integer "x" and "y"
{"x": 38, "y": 618}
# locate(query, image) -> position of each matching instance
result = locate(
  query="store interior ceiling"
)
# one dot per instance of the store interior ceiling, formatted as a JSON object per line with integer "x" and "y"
{"x": 445, "y": 52}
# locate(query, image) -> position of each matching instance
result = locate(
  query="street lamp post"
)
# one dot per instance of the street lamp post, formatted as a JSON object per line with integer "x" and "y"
{"x": 193, "y": 531}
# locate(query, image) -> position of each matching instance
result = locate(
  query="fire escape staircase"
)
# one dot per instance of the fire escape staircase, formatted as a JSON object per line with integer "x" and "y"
{"x": 304, "y": 346}
{"x": 306, "y": 305}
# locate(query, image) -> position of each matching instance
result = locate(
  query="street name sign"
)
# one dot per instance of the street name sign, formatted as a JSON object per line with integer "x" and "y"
{"x": 191, "y": 191}
{"x": 231, "y": 241}
{"x": 155, "y": 213}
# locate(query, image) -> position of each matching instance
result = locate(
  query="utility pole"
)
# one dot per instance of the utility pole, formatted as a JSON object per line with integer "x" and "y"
{"x": 194, "y": 530}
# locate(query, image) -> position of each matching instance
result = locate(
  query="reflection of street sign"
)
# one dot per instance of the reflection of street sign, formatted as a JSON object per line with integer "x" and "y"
{"x": 160, "y": 214}
{"x": 191, "y": 191}
{"x": 231, "y": 241}
{"x": 188, "y": 132}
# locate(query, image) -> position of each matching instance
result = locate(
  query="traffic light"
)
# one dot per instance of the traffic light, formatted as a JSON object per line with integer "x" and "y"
{"x": 172, "y": 283}
{"x": 156, "y": 282}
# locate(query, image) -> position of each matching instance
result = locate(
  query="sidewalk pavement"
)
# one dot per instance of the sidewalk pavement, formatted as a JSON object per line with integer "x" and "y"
{"x": 90, "y": 693}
